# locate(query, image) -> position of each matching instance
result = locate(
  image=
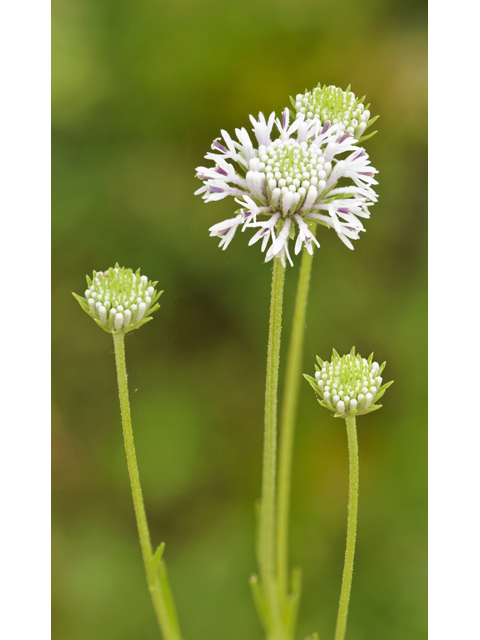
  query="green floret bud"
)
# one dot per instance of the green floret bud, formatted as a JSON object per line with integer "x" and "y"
{"x": 349, "y": 385}
{"x": 119, "y": 300}
{"x": 335, "y": 106}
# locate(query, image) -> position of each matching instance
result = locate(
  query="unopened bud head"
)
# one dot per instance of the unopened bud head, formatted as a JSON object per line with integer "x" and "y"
{"x": 332, "y": 105}
{"x": 134, "y": 298}
{"x": 350, "y": 377}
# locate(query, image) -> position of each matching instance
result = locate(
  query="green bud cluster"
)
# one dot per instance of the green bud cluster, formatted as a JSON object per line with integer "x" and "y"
{"x": 333, "y": 105}
{"x": 119, "y": 300}
{"x": 349, "y": 385}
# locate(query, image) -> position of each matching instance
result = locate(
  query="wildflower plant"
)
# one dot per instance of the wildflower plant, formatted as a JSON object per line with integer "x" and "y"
{"x": 303, "y": 170}
{"x": 300, "y": 171}
{"x": 120, "y": 301}
{"x": 349, "y": 386}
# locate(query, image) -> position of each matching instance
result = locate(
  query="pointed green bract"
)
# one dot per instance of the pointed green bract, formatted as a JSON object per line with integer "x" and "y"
{"x": 348, "y": 385}
{"x": 119, "y": 300}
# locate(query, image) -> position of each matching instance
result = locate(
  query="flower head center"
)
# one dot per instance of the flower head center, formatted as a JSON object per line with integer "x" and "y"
{"x": 349, "y": 385}
{"x": 290, "y": 166}
{"x": 350, "y": 376}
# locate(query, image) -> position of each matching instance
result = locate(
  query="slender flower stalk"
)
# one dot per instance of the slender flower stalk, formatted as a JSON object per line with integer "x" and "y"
{"x": 287, "y": 425}
{"x": 351, "y": 528}
{"x": 154, "y": 565}
{"x": 349, "y": 386}
{"x": 266, "y": 538}
{"x": 120, "y": 301}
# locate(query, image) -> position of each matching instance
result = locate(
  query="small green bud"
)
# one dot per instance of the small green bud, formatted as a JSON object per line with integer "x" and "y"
{"x": 335, "y": 106}
{"x": 349, "y": 385}
{"x": 119, "y": 300}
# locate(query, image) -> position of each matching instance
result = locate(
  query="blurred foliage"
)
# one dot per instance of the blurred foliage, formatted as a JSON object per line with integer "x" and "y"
{"x": 140, "y": 89}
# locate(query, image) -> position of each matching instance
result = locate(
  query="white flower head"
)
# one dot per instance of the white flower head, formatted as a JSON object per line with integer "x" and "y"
{"x": 349, "y": 385}
{"x": 291, "y": 178}
{"x": 331, "y": 104}
{"x": 119, "y": 300}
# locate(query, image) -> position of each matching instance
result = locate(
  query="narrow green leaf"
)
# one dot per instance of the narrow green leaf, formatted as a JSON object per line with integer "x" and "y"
{"x": 157, "y": 556}
{"x": 292, "y": 602}
{"x": 167, "y": 593}
{"x": 294, "y": 599}
{"x": 260, "y": 604}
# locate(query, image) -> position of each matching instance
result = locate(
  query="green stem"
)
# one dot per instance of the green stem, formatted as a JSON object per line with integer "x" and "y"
{"x": 158, "y": 588}
{"x": 287, "y": 426}
{"x": 266, "y": 541}
{"x": 351, "y": 529}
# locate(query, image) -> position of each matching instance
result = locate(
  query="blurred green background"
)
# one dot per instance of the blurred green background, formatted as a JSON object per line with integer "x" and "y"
{"x": 140, "y": 89}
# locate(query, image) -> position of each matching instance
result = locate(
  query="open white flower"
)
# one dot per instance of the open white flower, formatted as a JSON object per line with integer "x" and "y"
{"x": 297, "y": 175}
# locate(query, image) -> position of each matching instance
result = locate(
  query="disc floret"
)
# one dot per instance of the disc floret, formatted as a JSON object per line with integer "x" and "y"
{"x": 119, "y": 300}
{"x": 332, "y": 104}
{"x": 349, "y": 385}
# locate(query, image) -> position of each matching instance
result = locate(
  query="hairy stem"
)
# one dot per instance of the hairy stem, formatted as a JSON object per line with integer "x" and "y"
{"x": 154, "y": 568}
{"x": 287, "y": 425}
{"x": 266, "y": 541}
{"x": 351, "y": 529}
